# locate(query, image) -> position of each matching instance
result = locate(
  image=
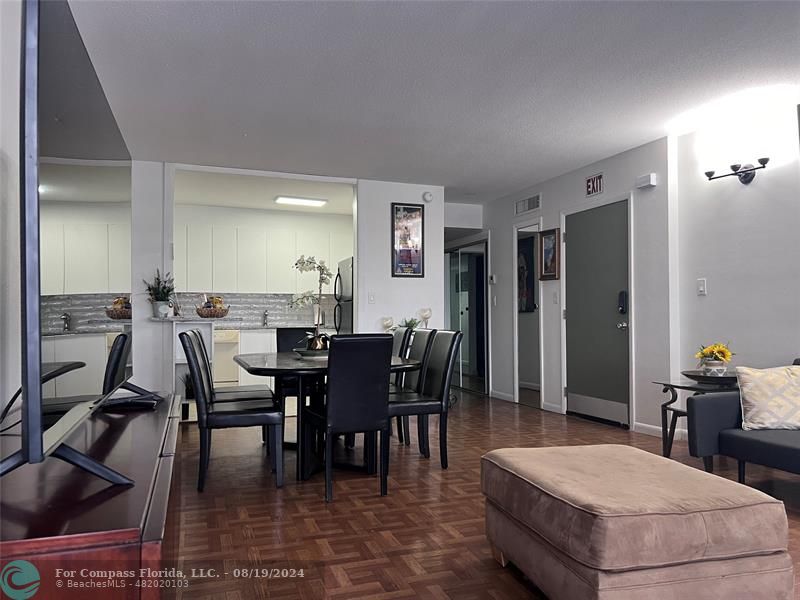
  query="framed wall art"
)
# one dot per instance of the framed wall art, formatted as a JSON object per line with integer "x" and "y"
{"x": 408, "y": 236}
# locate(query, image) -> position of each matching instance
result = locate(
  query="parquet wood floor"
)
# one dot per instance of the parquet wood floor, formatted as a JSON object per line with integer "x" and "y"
{"x": 424, "y": 540}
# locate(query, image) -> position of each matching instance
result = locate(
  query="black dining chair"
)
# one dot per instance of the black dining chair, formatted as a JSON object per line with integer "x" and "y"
{"x": 433, "y": 396}
{"x": 219, "y": 415}
{"x": 420, "y": 342}
{"x": 356, "y": 400}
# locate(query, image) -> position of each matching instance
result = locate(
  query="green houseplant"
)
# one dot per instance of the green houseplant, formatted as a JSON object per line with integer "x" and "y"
{"x": 316, "y": 340}
{"x": 161, "y": 292}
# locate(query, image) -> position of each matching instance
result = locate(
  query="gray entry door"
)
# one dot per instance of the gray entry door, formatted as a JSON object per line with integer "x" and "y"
{"x": 598, "y": 312}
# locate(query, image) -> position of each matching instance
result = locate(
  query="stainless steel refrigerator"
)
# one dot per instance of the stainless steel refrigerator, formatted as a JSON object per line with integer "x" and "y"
{"x": 343, "y": 294}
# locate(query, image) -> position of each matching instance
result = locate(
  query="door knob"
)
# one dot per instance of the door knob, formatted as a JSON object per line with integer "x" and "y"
{"x": 623, "y": 325}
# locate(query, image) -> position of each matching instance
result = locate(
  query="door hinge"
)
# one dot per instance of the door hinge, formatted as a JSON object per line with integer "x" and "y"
{"x": 564, "y": 314}
{"x": 563, "y": 237}
{"x": 565, "y": 392}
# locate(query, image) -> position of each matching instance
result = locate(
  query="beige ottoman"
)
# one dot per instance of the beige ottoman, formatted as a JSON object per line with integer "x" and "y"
{"x": 617, "y": 523}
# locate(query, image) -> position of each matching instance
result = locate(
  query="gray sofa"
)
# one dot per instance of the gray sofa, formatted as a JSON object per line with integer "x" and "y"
{"x": 715, "y": 427}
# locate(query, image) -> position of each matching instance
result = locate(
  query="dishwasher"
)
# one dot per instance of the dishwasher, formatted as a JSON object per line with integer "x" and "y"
{"x": 226, "y": 346}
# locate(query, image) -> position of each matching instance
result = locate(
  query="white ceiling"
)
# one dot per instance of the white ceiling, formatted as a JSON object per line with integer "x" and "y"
{"x": 258, "y": 192}
{"x": 485, "y": 98}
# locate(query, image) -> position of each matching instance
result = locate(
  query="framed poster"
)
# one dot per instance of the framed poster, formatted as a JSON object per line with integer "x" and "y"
{"x": 550, "y": 254}
{"x": 408, "y": 234}
{"x": 526, "y": 275}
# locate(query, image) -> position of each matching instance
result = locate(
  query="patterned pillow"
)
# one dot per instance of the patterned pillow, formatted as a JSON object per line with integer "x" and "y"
{"x": 770, "y": 397}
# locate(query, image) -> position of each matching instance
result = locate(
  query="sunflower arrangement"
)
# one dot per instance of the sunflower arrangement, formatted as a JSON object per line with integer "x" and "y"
{"x": 718, "y": 351}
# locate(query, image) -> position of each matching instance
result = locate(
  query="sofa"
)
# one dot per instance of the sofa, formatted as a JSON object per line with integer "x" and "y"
{"x": 715, "y": 427}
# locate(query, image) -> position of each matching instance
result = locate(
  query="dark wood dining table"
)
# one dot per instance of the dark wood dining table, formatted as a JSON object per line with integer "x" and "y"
{"x": 272, "y": 364}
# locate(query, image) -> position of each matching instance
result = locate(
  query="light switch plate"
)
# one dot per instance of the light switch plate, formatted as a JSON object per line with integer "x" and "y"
{"x": 702, "y": 287}
{"x": 371, "y": 298}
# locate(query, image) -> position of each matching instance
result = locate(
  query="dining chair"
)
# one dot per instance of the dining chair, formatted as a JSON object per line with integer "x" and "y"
{"x": 433, "y": 394}
{"x": 220, "y": 415}
{"x": 420, "y": 342}
{"x": 356, "y": 400}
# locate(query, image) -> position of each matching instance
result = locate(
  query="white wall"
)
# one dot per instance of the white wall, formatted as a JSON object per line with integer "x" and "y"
{"x": 650, "y": 291}
{"x": 469, "y": 216}
{"x": 396, "y": 297}
{"x": 745, "y": 240}
{"x": 10, "y": 356}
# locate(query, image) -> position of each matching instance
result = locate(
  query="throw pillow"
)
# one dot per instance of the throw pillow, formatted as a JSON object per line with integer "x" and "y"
{"x": 770, "y": 397}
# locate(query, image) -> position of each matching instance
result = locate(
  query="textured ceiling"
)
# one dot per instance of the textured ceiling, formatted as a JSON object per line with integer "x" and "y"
{"x": 484, "y": 98}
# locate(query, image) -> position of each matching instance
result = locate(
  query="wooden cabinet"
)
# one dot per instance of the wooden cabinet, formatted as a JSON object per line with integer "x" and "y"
{"x": 199, "y": 251}
{"x": 223, "y": 259}
{"x": 281, "y": 254}
{"x": 119, "y": 258}
{"x": 85, "y": 258}
{"x": 251, "y": 260}
{"x": 52, "y": 258}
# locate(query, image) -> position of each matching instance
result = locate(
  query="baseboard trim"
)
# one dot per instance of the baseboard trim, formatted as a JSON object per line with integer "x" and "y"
{"x": 654, "y": 430}
{"x": 556, "y": 408}
{"x": 530, "y": 386}
{"x": 501, "y": 396}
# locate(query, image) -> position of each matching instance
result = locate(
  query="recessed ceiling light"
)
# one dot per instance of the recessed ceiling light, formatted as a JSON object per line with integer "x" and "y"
{"x": 300, "y": 201}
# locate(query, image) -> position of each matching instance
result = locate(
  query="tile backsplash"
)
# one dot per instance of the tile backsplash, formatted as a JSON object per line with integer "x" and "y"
{"x": 87, "y": 312}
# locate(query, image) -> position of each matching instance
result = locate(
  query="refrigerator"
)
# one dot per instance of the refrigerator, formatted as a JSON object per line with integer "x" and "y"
{"x": 343, "y": 294}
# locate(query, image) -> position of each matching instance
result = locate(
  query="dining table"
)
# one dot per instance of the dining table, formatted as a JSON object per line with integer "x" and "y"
{"x": 303, "y": 368}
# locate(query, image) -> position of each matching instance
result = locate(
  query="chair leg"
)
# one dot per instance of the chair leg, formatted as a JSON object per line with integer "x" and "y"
{"x": 708, "y": 464}
{"x": 443, "y": 439}
{"x": 328, "y": 467}
{"x": 277, "y": 453}
{"x": 422, "y": 433}
{"x": 407, "y": 430}
{"x": 741, "y": 471}
{"x": 265, "y": 438}
{"x": 350, "y": 440}
{"x": 384, "y": 462}
{"x": 205, "y": 455}
{"x": 400, "y": 431}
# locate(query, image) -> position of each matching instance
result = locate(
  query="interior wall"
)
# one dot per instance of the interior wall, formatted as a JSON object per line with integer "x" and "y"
{"x": 396, "y": 297}
{"x": 651, "y": 269}
{"x": 743, "y": 239}
{"x": 469, "y": 216}
{"x": 10, "y": 334}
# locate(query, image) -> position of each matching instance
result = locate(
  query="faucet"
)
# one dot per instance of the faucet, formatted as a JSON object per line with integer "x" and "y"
{"x": 265, "y": 322}
{"x": 67, "y": 318}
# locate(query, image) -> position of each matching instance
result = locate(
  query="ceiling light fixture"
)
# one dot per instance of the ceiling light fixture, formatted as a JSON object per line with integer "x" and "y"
{"x": 300, "y": 201}
{"x": 745, "y": 173}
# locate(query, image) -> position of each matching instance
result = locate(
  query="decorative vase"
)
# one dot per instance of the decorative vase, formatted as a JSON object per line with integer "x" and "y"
{"x": 318, "y": 341}
{"x": 714, "y": 367}
{"x": 161, "y": 309}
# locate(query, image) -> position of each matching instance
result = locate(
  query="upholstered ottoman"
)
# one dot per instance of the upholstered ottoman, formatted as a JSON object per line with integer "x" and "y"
{"x": 617, "y": 523}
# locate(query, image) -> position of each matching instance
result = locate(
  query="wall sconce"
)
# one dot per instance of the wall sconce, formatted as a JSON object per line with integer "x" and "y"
{"x": 745, "y": 173}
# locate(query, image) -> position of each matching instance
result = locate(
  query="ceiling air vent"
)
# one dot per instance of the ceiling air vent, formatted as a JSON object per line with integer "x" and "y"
{"x": 528, "y": 204}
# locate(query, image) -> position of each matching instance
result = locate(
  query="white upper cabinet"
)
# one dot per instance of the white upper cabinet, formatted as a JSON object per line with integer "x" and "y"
{"x": 179, "y": 264}
{"x": 281, "y": 254}
{"x": 251, "y": 260}
{"x": 224, "y": 259}
{"x": 341, "y": 247}
{"x": 85, "y": 258}
{"x": 316, "y": 243}
{"x": 119, "y": 258}
{"x": 199, "y": 251}
{"x": 52, "y": 258}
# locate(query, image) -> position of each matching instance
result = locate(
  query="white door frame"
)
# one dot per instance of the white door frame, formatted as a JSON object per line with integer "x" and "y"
{"x": 528, "y": 223}
{"x": 484, "y": 238}
{"x": 631, "y": 300}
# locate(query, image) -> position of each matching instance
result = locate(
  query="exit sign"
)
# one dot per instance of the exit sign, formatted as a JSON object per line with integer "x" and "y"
{"x": 594, "y": 185}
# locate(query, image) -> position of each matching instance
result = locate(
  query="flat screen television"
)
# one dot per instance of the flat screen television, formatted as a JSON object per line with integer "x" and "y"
{"x": 67, "y": 131}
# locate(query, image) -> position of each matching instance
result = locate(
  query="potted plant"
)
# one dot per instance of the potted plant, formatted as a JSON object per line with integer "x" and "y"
{"x": 410, "y": 322}
{"x": 161, "y": 291}
{"x": 714, "y": 358}
{"x": 316, "y": 340}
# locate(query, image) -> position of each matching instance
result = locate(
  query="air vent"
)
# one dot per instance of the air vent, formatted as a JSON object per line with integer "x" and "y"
{"x": 528, "y": 204}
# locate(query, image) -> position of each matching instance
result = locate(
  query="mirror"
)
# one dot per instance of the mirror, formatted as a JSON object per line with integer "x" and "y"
{"x": 85, "y": 209}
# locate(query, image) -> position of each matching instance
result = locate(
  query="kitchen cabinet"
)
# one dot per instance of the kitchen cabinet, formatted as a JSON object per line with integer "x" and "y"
{"x": 119, "y": 258}
{"x": 281, "y": 254}
{"x": 49, "y": 355}
{"x": 89, "y": 348}
{"x": 85, "y": 258}
{"x": 341, "y": 248}
{"x": 318, "y": 245}
{"x": 223, "y": 259}
{"x": 251, "y": 260}
{"x": 179, "y": 258}
{"x": 198, "y": 266}
{"x": 52, "y": 258}
{"x": 252, "y": 342}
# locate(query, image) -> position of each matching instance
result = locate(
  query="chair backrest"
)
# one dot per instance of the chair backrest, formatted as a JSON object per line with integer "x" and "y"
{"x": 400, "y": 339}
{"x": 441, "y": 364}
{"x": 289, "y": 338}
{"x": 358, "y": 382}
{"x": 117, "y": 362}
{"x": 198, "y": 336}
{"x": 200, "y": 374}
{"x": 796, "y": 362}
{"x": 420, "y": 349}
